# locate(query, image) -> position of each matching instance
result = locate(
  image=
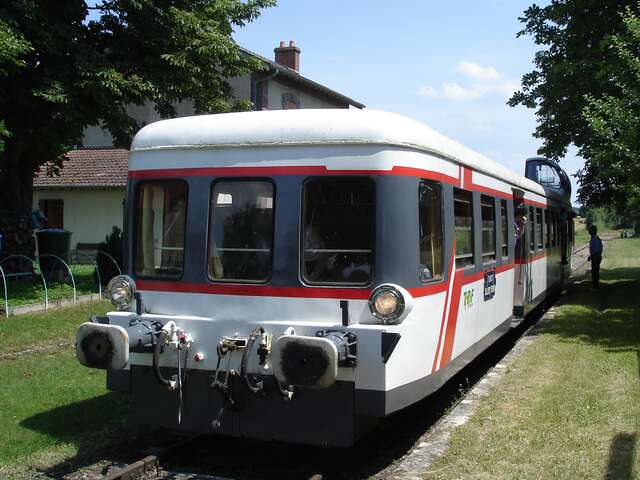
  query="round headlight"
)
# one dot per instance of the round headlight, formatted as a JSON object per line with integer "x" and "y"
{"x": 386, "y": 303}
{"x": 121, "y": 291}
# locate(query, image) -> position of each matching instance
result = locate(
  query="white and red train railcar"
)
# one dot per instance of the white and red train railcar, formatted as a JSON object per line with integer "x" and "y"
{"x": 296, "y": 275}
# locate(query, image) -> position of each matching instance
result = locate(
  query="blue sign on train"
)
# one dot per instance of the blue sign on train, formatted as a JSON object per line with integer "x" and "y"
{"x": 489, "y": 284}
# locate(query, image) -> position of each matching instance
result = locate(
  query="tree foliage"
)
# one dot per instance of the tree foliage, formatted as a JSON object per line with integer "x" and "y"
{"x": 62, "y": 70}
{"x": 585, "y": 88}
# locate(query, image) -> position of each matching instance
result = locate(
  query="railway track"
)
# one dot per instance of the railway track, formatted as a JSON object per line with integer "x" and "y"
{"x": 197, "y": 458}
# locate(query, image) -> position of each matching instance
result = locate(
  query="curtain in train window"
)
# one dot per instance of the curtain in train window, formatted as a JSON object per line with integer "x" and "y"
{"x": 430, "y": 224}
{"x": 547, "y": 242}
{"x": 338, "y": 231}
{"x": 161, "y": 208}
{"x": 463, "y": 225}
{"x": 530, "y": 222}
{"x": 539, "y": 238}
{"x": 488, "y": 210}
{"x": 504, "y": 228}
{"x": 241, "y": 231}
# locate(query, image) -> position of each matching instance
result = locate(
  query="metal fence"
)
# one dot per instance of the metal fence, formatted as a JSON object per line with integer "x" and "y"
{"x": 59, "y": 271}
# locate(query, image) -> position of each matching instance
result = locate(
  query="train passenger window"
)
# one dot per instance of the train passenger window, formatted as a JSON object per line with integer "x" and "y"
{"x": 430, "y": 222}
{"x": 547, "y": 243}
{"x": 539, "y": 237}
{"x": 530, "y": 222}
{"x": 504, "y": 222}
{"x": 241, "y": 231}
{"x": 463, "y": 218}
{"x": 488, "y": 210}
{"x": 160, "y": 221}
{"x": 338, "y": 231}
{"x": 552, "y": 225}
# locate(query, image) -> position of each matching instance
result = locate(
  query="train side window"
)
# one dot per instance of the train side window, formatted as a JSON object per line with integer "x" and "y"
{"x": 241, "y": 231}
{"x": 488, "y": 210}
{"x": 160, "y": 222}
{"x": 547, "y": 243}
{"x": 539, "y": 238}
{"x": 504, "y": 222}
{"x": 463, "y": 213}
{"x": 430, "y": 223}
{"x": 338, "y": 231}
{"x": 530, "y": 231}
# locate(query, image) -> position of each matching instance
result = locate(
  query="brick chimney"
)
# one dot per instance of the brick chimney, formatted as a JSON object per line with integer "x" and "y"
{"x": 288, "y": 56}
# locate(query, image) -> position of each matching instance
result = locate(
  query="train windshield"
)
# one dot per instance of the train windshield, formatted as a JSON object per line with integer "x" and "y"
{"x": 338, "y": 231}
{"x": 241, "y": 231}
{"x": 161, "y": 208}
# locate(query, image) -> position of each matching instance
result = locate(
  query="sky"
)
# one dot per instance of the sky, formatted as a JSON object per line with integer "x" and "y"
{"x": 449, "y": 64}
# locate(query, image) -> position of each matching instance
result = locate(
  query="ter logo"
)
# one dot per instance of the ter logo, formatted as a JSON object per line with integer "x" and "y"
{"x": 468, "y": 299}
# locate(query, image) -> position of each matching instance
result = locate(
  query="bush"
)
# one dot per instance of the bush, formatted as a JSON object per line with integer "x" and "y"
{"x": 113, "y": 247}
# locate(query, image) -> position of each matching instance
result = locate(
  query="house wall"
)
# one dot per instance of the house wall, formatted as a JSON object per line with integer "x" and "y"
{"x": 307, "y": 100}
{"x": 89, "y": 214}
{"x": 96, "y": 136}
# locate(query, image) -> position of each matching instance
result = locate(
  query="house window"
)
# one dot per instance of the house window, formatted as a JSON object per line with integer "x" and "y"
{"x": 463, "y": 225}
{"x": 504, "y": 228}
{"x": 338, "y": 231}
{"x": 290, "y": 101}
{"x": 53, "y": 210}
{"x": 430, "y": 224}
{"x": 161, "y": 210}
{"x": 241, "y": 231}
{"x": 488, "y": 210}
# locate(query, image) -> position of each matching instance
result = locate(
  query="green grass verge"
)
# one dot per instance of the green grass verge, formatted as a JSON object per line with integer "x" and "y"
{"x": 29, "y": 290}
{"x": 570, "y": 406}
{"x": 53, "y": 412}
{"x": 57, "y": 325}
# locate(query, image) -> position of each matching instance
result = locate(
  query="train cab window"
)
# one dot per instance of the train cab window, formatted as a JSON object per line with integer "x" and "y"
{"x": 160, "y": 220}
{"x": 504, "y": 222}
{"x": 430, "y": 223}
{"x": 530, "y": 223}
{"x": 463, "y": 225}
{"x": 539, "y": 237}
{"x": 488, "y": 210}
{"x": 241, "y": 231}
{"x": 338, "y": 231}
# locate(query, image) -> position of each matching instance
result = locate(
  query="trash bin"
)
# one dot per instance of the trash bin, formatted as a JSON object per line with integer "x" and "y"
{"x": 53, "y": 241}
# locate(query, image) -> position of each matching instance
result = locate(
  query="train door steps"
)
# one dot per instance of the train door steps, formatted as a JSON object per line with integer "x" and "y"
{"x": 435, "y": 442}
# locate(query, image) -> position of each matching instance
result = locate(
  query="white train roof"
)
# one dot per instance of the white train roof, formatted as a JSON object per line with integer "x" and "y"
{"x": 317, "y": 127}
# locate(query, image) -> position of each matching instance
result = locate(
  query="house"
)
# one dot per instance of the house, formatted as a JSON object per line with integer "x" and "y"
{"x": 87, "y": 197}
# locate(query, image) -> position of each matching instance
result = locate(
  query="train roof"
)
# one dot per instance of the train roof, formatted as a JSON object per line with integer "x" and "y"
{"x": 318, "y": 127}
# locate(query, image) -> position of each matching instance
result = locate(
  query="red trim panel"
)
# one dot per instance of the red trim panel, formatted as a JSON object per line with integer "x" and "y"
{"x": 533, "y": 203}
{"x": 287, "y": 170}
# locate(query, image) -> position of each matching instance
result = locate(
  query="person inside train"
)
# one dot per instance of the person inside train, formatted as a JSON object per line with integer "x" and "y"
{"x": 595, "y": 255}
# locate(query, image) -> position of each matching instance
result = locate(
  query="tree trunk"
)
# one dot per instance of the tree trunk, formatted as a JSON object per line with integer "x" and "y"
{"x": 16, "y": 178}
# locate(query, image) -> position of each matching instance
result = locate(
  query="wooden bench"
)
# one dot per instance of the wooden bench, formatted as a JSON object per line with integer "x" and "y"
{"x": 90, "y": 249}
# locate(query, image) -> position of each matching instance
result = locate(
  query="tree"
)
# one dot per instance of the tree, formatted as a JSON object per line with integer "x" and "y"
{"x": 66, "y": 70}
{"x": 585, "y": 89}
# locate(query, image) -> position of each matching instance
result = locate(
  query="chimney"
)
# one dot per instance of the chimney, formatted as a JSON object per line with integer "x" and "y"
{"x": 288, "y": 56}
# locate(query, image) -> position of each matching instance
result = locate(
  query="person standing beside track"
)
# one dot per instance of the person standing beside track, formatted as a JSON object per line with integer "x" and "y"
{"x": 595, "y": 255}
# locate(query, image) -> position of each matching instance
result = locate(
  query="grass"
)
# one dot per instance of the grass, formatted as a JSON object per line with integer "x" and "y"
{"x": 53, "y": 411}
{"x": 570, "y": 406}
{"x": 46, "y": 327}
{"x": 28, "y": 290}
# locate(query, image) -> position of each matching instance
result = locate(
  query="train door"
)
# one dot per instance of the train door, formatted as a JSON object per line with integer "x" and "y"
{"x": 520, "y": 254}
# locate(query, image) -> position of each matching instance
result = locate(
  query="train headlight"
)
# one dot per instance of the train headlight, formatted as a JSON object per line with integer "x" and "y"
{"x": 387, "y": 304}
{"x": 121, "y": 291}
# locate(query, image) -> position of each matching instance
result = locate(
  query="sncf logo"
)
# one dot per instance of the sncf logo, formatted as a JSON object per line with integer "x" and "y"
{"x": 468, "y": 299}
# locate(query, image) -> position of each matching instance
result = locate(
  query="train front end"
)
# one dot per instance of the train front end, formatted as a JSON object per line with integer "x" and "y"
{"x": 254, "y": 304}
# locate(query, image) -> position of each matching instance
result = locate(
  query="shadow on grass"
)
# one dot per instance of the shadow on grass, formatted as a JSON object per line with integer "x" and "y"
{"x": 621, "y": 453}
{"x": 90, "y": 425}
{"x": 608, "y": 317}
